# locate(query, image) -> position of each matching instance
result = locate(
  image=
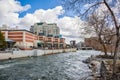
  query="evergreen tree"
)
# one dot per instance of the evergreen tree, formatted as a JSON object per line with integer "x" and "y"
{"x": 2, "y": 41}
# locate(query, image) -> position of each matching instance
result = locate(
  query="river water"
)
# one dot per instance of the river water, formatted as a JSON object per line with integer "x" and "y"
{"x": 64, "y": 66}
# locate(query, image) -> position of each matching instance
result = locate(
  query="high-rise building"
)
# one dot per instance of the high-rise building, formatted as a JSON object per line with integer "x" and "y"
{"x": 51, "y": 32}
{"x": 73, "y": 43}
{"x": 44, "y": 29}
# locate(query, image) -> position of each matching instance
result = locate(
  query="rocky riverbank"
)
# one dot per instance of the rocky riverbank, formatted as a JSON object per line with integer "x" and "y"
{"x": 101, "y": 67}
{"x": 94, "y": 64}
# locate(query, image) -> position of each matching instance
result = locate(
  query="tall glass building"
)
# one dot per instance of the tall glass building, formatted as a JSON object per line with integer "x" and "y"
{"x": 44, "y": 29}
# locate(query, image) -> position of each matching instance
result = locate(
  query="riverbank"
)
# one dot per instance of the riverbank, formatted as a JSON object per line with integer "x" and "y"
{"x": 101, "y": 67}
{"x": 31, "y": 53}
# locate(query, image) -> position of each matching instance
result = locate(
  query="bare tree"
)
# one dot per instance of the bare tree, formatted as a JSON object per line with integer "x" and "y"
{"x": 117, "y": 28}
{"x": 114, "y": 17}
{"x": 98, "y": 26}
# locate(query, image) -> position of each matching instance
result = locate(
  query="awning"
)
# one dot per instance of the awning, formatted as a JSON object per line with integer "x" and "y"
{"x": 9, "y": 40}
{"x": 38, "y": 41}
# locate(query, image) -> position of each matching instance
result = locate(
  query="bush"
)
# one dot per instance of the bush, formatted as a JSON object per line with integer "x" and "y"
{"x": 2, "y": 41}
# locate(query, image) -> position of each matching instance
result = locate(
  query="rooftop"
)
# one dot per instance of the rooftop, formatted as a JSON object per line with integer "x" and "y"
{"x": 18, "y": 30}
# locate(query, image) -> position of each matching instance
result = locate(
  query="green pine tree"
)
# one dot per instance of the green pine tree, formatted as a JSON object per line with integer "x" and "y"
{"x": 2, "y": 41}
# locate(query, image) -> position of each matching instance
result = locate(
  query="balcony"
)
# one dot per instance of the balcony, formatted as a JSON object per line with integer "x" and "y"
{"x": 42, "y": 38}
{"x": 49, "y": 39}
{"x": 62, "y": 40}
{"x": 57, "y": 40}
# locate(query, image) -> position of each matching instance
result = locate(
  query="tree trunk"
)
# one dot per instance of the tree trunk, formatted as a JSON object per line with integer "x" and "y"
{"x": 103, "y": 44}
{"x": 117, "y": 36}
{"x": 105, "y": 50}
{"x": 115, "y": 55}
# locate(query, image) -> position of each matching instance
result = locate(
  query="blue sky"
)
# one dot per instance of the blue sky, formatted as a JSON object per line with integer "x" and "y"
{"x": 38, "y": 4}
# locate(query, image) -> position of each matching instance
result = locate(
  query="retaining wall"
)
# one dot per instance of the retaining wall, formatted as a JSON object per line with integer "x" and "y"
{"x": 35, "y": 52}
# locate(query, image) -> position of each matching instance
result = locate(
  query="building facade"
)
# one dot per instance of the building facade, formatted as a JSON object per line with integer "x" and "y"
{"x": 22, "y": 38}
{"x": 51, "y": 42}
{"x": 44, "y": 29}
{"x": 25, "y": 39}
{"x": 95, "y": 44}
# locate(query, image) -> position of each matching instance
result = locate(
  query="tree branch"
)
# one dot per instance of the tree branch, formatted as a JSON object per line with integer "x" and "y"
{"x": 112, "y": 14}
{"x": 92, "y": 6}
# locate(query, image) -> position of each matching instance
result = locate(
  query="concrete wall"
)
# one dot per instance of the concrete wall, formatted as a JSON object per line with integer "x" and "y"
{"x": 29, "y": 53}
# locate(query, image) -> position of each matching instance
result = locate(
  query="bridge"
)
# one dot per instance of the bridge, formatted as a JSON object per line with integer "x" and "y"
{"x": 85, "y": 48}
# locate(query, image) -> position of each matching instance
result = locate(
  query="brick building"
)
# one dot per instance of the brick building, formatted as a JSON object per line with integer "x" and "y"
{"x": 22, "y": 38}
{"x": 26, "y": 39}
{"x": 95, "y": 44}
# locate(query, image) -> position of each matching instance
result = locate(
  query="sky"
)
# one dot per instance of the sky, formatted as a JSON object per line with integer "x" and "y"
{"x": 24, "y": 13}
{"x": 38, "y": 4}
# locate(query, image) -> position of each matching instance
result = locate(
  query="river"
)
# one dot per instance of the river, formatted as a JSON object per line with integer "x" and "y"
{"x": 64, "y": 66}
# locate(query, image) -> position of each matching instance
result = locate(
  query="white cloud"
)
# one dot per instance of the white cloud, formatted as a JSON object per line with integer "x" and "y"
{"x": 9, "y": 11}
{"x": 28, "y": 20}
{"x": 68, "y": 25}
{"x": 49, "y": 16}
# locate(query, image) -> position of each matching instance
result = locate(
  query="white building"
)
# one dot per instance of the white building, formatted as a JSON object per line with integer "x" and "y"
{"x": 42, "y": 28}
